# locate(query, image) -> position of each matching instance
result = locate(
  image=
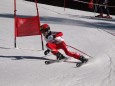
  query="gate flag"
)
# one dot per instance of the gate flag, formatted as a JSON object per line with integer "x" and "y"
{"x": 27, "y": 26}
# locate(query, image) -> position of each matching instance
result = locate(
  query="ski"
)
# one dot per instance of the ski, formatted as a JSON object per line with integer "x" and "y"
{"x": 78, "y": 64}
{"x": 102, "y": 18}
{"x": 54, "y": 61}
{"x": 50, "y": 62}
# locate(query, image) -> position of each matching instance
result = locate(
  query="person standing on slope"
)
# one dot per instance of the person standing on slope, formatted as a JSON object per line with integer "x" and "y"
{"x": 103, "y": 8}
{"x": 56, "y": 42}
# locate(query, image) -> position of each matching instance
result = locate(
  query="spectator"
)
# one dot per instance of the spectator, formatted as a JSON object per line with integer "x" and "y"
{"x": 102, "y": 8}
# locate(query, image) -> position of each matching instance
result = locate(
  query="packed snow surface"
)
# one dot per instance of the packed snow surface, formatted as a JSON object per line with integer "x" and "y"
{"x": 24, "y": 65}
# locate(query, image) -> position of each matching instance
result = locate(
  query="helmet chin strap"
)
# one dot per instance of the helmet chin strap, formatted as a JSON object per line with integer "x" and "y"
{"x": 48, "y": 33}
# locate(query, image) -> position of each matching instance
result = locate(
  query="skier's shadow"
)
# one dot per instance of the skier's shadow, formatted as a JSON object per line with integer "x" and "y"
{"x": 24, "y": 57}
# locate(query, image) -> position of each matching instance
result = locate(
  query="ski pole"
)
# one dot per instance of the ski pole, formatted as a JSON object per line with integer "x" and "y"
{"x": 79, "y": 50}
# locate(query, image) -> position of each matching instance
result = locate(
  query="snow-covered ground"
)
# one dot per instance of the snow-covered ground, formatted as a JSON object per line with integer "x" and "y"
{"x": 25, "y": 67}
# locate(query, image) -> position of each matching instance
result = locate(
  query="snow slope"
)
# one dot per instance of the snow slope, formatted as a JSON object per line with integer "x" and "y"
{"x": 25, "y": 67}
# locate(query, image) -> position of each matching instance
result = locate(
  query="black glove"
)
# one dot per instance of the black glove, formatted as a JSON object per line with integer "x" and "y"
{"x": 46, "y": 52}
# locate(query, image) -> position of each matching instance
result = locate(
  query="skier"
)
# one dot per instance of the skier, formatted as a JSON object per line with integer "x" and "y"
{"x": 56, "y": 42}
{"x": 102, "y": 8}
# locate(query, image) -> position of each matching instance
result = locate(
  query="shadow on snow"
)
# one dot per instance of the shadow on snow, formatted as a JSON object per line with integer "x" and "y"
{"x": 24, "y": 57}
{"x": 65, "y": 21}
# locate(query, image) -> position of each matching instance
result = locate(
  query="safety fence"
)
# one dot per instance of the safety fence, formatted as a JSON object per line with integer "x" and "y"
{"x": 94, "y": 3}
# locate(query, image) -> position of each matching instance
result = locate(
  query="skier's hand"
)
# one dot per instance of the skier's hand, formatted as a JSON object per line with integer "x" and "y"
{"x": 46, "y": 52}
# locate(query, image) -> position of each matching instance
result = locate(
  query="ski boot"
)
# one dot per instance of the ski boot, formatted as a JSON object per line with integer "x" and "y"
{"x": 83, "y": 59}
{"x": 108, "y": 17}
{"x": 99, "y": 16}
{"x": 60, "y": 56}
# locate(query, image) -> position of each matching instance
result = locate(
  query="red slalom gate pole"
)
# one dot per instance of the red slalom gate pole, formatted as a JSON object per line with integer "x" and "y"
{"x": 15, "y": 32}
{"x": 39, "y": 21}
{"x": 64, "y": 4}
